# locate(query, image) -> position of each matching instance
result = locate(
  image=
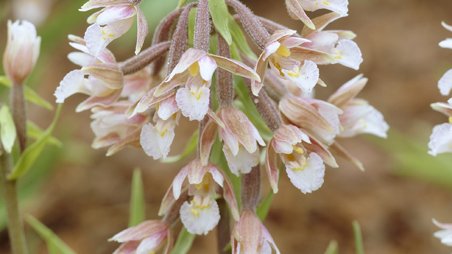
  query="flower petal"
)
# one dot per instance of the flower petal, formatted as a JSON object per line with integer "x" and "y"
{"x": 311, "y": 177}
{"x": 199, "y": 219}
{"x": 193, "y": 102}
{"x": 142, "y": 30}
{"x": 441, "y": 139}
{"x": 445, "y": 83}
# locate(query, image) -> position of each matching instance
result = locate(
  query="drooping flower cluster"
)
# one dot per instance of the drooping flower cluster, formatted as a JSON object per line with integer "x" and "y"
{"x": 138, "y": 102}
{"x": 441, "y": 138}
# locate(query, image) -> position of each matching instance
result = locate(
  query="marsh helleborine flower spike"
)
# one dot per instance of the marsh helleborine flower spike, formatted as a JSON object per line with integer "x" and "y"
{"x": 22, "y": 50}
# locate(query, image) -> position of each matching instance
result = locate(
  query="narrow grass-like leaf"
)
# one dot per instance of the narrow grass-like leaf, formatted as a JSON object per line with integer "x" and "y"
{"x": 137, "y": 202}
{"x": 7, "y": 129}
{"x": 220, "y": 17}
{"x": 54, "y": 243}
{"x": 32, "y": 152}
{"x": 359, "y": 246}
{"x": 30, "y": 95}
{"x": 239, "y": 38}
{"x": 264, "y": 207}
{"x": 190, "y": 147}
{"x": 191, "y": 26}
{"x": 181, "y": 3}
{"x": 183, "y": 243}
{"x": 332, "y": 248}
{"x": 34, "y": 132}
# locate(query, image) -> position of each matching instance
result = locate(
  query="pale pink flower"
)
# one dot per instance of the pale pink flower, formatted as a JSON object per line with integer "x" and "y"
{"x": 358, "y": 116}
{"x": 445, "y": 234}
{"x": 240, "y": 140}
{"x": 250, "y": 236}
{"x": 22, "y": 50}
{"x": 319, "y": 119}
{"x": 114, "y": 128}
{"x": 445, "y": 83}
{"x": 447, "y": 43}
{"x": 147, "y": 237}
{"x": 99, "y": 77}
{"x": 329, "y": 46}
{"x": 112, "y": 21}
{"x": 194, "y": 74}
{"x": 201, "y": 214}
{"x": 297, "y": 9}
{"x": 303, "y": 159}
{"x": 278, "y": 54}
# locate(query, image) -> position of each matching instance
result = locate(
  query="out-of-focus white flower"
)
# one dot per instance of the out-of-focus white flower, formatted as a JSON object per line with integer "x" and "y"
{"x": 22, "y": 50}
{"x": 445, "y": 234}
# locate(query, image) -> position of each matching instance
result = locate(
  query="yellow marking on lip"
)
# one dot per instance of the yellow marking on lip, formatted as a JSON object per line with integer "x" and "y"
{"x": 194, "y": 69}
{"x": 450, "y": 119}
{"x": 298, "y": 149}
{"x": 196, "y": 94}
{"x": 283, "y": 51}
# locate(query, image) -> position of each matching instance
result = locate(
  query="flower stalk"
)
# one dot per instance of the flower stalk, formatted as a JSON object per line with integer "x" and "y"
{"x": 19, "y": 114}
{"x": 9, "y": 193}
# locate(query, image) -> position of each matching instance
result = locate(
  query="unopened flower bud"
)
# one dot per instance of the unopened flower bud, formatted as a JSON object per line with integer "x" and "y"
{"x": 22, "y": 50}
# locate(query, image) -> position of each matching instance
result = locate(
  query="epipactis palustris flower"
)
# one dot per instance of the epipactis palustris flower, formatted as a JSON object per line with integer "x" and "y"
{"x": 278, "y": 54}
{"x": 303, "y": 158}
{"x": 201, "y": 214}
{"x": 147, "y": 237}
{"x": 317, "y": 118}
{"x": 297, "y": 9}
{"x": 251, "y": 237}
{"x": 445, "y": 83}
{"x": 358, "y": 115}
{"x": 112, "y": 21}
{"x": 329, "y": 46}
{"x": 99, "y": 77}
{"x": 22, "y": 50}
{"x": 241, "y": 140}
{"x": 192, "y": 78}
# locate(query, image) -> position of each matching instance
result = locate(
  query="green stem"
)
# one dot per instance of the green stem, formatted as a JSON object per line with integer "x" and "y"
{"x": 9, "y": 191}
{"x": 19, "y": 114}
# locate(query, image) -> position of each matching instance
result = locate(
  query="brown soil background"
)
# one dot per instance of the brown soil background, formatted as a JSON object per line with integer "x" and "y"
{"x": 85, "y": 199}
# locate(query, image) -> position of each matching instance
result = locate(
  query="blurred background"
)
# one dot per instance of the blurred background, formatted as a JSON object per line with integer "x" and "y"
{"x": 84, "y": 196}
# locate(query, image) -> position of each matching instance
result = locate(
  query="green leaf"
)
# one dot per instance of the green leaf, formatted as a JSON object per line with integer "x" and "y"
{"x": 332, "y": 248}
{"x": 181, "y": 3}
{"x": 191, "y": 26}
{"x": 28, "y": 158}
{"x": 30, "y": 95}
{"x": 220, "y": 17}
{"x": 239, "y": 38}
{"x": 358, "y": 238}
{"x": 137, "y": 203}
{"x": 188, "y": 150}
{"x": 7, "y": 129}
{"x": 34, "y": 132}
{"x": 183, "y": 243}
{"x": 54, "y": 243}
{"x": 411, "y": 158}
{"x": 264, "y": 207}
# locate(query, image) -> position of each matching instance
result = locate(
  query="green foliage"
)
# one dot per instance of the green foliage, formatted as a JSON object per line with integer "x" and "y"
{"x": 332, "y": 248}
{"x": 359, "y": 246}
{"x": 191, "y": 26}
{"x": 54, "y": 244}
{"x": 137, "y": 200}
{"x": 411, "y": 158}
{"x": 28, "y": 158}
{"x": 190, "y": 148}
{"x": 220, "y": 17}
{"x": 7, "y": 129}
{"x": 30, "y": 95}
{"x": 239, "y": 38}
{"x": 35, "y": 132}
{"x": 183, "y": 243}
{"x": 264, "y": 207}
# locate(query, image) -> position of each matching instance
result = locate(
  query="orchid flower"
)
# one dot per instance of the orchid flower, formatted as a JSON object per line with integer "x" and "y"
{"x": 358, "y": 116}
{"x": 201, "y": 214}
{"x": 147, "y": 237}
{"x": 251, "y": 237}
{"x": 194, "y": 73}
{"x": 445, "y": 234}
{"x": 112, "y": 21}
